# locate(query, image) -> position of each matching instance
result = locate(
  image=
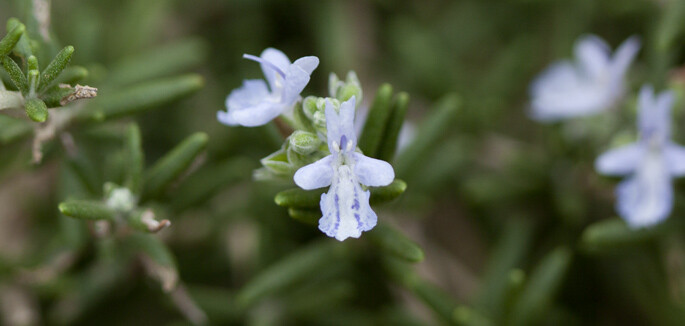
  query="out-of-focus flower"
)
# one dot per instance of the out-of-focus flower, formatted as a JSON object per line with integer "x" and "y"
{"x": 255, "y": 103}
{"x": 646, "y": 197}
{"x": 346, "y": 210}
{"x": 595, "y": 82}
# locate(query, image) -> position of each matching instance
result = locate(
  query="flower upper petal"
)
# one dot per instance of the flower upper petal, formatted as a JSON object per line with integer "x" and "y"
{"x": 372, "y": 172}
{"x": 593, "y": 54}
{"x": 316, "y": 175}
{"x": 341, "y": 124}
{"x": 562, "y": 92}
{"x": 308, "y": 64}
{"x": 624, "y": 56}
{"x": 654, "y": 120}
{"x": 296, "y": 79}
{"x": 592, "y": 84}
{"x": 620, "y": 161}
{"x": 279, "y": 60}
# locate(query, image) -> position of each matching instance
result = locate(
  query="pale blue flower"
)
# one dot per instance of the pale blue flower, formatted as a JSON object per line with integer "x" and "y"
{"x": 595, "y": 82}
{"x": 646, "y": 196}
{"x": 345, "y": 208}
{"x": 255, "y": 103}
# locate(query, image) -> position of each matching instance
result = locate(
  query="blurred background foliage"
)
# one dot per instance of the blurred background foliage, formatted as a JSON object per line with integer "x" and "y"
{"x": 515, "y": 225}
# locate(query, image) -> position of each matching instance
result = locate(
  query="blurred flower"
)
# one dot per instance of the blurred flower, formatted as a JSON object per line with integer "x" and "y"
{"x": 346, "y": 210}
{"x": 592, "y": 84}
{"x": 646, "y": 197}
{"x": 255, "y": 104}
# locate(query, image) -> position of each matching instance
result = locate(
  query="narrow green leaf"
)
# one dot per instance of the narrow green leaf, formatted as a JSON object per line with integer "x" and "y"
{"x": 200, "y": 187}
{"x": 399, "y": 107}
{"x": 309, "y": 199}
{"x": 290, "y": 270}
{"x": 54, "y": 95}
{"x": 299, "y": 198}
{"x": 508, "y": 253}
{"x": 70, "y": 75}
{"x": 15, "y": 73}
{"x": 434, "y": 127}
{"x": 141, "y": 97}
{"x": 12, "y": 130}
{"x": 212, "y": 300}
{"x": 436, "y": 299}
{"x": 320, "y": 298}
{"x": 165, "y": 268}
{"x": 55, "y": 67}
{"x": 87, "y": 210}
{"x": 542, "y": 286}
{"x": 307, "y": 216}
{"x": 161, "y": 61}
{"x": 388, "y": 193}
{"x": 395, "y": 243}
{"x": 374, "y": 128}
{"x": 10, "y": 40}
{"x": 36, "y": 110}
{"x": 464, "y": 315}
{"x": 173, "y": 164}
{"x": 135, "y": 159}
{"x": 22, "y": 46}
{"x": 613, "y": 234}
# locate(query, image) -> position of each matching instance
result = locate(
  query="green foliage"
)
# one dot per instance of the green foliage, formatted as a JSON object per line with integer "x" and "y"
{"x": 115, "y": 212}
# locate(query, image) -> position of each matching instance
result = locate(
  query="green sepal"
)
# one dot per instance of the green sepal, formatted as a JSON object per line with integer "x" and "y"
{"x": 32, "y": 63}
{"x": 36, "y": 109}
{"x": 301, "y": 120}
{"x": 10, "y": 40}
{"x": 545, "y": 280}
{"x": 135, "y": 158}
{"x": 289, "y": 271}
{"x": 388, "y": 146}
{"x": 278, "y": 163}
{"x": 16, "y": 75}
{"x": 613, "y": 234}
{"x": 138, "y": 98}
{"x": 305, "y": 215}
{"x": 393, "y": 242}
{"x": 173, "y": 164}
{"x": 313, "y": 109}
{"x": 428, "y": 133}
{"x": 87, "y": 210}
{"x": 55, "y": 67}
{"x": 303, "y": 142}
{"x": 374, "y": 128}
{"x": 343, "y": 91}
